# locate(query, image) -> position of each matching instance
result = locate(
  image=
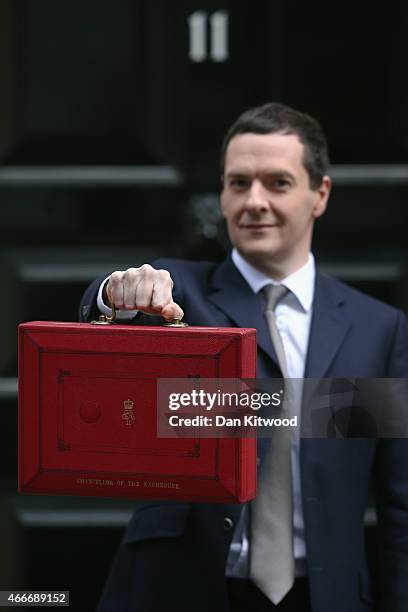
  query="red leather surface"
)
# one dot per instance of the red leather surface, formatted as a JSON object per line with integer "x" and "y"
{"x": 87, "y": 412}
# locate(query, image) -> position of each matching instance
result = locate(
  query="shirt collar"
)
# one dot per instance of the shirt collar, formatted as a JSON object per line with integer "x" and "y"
{"x": 301, "y": 282}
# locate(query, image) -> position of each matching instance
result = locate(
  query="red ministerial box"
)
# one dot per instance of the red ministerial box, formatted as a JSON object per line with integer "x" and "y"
{"x": 87, "y": 412}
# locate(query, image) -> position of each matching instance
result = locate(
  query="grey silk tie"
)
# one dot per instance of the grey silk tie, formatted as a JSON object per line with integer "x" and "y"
{"x": 272, "y": 565}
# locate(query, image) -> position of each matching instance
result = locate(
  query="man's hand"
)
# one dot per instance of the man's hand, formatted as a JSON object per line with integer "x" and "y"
{"x": 145, "y": 289}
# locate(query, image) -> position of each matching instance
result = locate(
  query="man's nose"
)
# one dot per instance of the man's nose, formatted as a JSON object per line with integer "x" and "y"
{"x": 256, "y": 200}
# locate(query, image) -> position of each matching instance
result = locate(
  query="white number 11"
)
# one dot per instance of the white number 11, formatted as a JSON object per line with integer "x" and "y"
{"x": 198, "y": 26}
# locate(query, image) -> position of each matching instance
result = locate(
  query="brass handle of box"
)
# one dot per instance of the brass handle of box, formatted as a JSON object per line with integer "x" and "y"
{"x": 108, "y": 320}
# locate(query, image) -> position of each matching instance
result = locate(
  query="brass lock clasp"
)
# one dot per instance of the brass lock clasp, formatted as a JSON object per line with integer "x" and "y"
{"x": 175, "y": 323}
{"x": 106, "y": 319}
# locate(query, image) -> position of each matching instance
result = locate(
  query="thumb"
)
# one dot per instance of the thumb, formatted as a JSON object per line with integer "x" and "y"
{"x": 172, "y": 311}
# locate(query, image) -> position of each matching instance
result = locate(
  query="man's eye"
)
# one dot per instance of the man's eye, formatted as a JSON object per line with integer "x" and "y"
{"x": 280, "y": 184}
{"x": 238, "y": 183}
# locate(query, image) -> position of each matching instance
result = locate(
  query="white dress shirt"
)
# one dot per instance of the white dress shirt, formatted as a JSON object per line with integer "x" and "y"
{"x": 293, "y": 317}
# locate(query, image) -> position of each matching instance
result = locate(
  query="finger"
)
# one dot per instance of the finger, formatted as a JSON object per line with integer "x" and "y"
{"x": 114, "y": 289}
{"x": 172, "y": 311}
{"x": 162, "y": 290}
{"x": 131, "y": 279}
{"x": 144, "y": 294}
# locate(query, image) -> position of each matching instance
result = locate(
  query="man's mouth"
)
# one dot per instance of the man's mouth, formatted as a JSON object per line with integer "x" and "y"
{"x": 256, "y": 226}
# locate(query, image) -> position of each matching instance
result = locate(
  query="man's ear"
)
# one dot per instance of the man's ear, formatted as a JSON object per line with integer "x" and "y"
{"x": 322, "y": 197}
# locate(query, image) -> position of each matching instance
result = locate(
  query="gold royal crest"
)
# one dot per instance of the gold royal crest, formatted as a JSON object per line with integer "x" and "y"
{"x": 128, "y": 415}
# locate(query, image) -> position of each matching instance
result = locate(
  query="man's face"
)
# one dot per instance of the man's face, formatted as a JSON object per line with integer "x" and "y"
{"x": 268, "y": 203}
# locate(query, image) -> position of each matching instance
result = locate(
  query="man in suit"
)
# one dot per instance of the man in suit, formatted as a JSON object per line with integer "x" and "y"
{"x": 179, "y": 556}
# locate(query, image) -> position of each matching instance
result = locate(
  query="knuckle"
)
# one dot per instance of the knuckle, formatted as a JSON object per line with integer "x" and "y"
{"x": 116, "y": 277}
{"x": 131, "y": 273}
{"x": 164, "y": 275}
{"x": 146, "y": 268}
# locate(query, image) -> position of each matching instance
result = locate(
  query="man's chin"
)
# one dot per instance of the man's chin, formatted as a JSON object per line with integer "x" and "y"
{"x": 258, "y": 247}
{"x": 258, "y": 253}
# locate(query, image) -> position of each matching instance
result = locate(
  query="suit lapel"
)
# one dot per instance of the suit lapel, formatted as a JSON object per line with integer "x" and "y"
{"x": 232, "y": 294}
{"x": 328, "y": 328}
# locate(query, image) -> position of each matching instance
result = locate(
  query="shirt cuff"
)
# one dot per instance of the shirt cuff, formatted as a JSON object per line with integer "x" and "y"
{"x": 121, "y": 315}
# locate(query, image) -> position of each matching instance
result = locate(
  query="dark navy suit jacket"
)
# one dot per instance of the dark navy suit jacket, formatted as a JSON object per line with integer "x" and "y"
{"x": 173, "y": 555}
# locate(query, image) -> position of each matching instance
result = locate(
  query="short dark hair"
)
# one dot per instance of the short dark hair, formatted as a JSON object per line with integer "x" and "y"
{"x": 274, "y": 117}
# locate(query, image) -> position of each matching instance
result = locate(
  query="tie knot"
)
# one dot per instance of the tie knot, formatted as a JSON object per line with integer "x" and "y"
{"x": 274, "y": 293}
